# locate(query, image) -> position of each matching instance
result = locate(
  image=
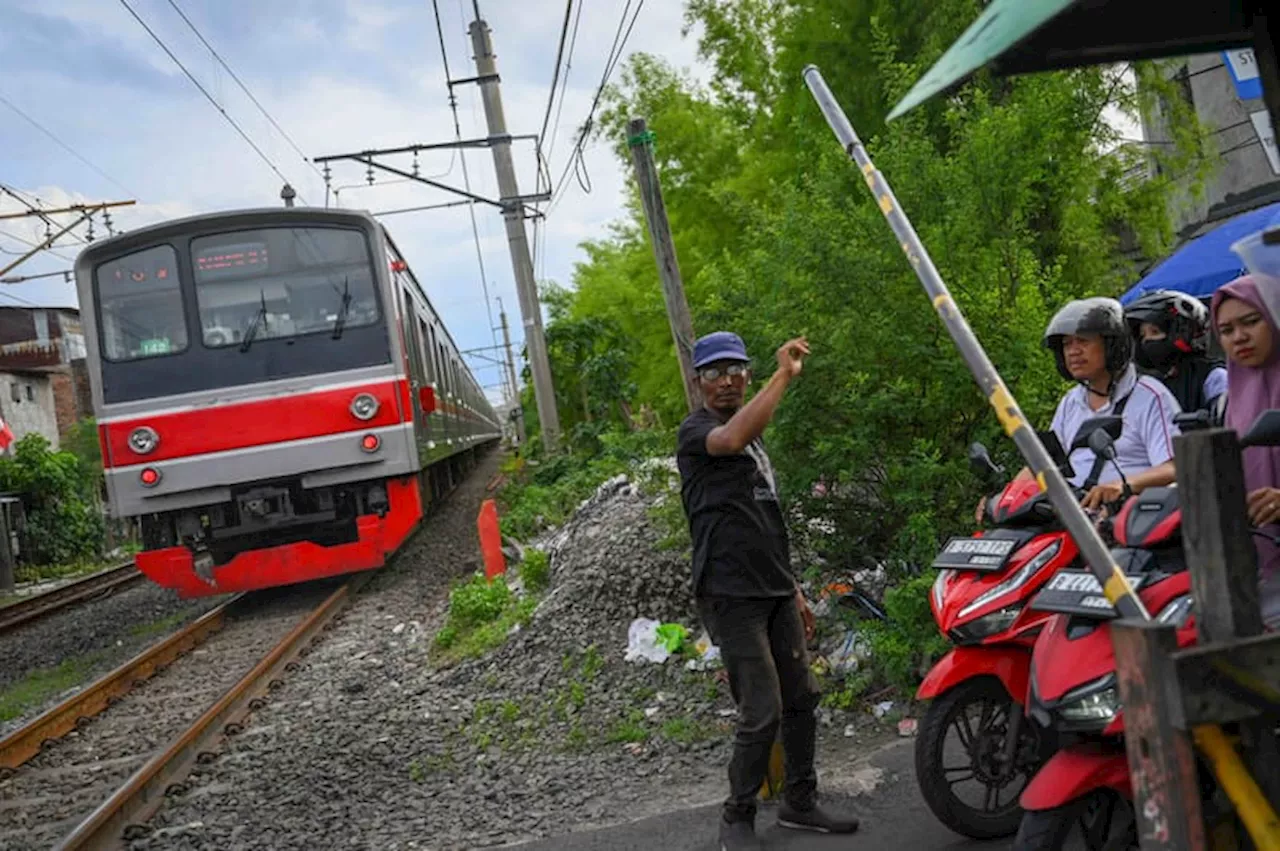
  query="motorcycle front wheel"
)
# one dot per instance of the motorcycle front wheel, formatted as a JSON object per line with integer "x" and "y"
{"x": 964, "y": 777}
{"x": 1102, "y": 819}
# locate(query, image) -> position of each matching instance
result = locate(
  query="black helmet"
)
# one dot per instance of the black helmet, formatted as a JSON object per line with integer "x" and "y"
{"x": 1101, "y": 316}
{"x": 1183, "y": 318}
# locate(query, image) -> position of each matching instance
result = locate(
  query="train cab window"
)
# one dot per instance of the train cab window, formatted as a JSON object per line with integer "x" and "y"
{"x": 282, "y": 282}
{"x": 140, "y": 300}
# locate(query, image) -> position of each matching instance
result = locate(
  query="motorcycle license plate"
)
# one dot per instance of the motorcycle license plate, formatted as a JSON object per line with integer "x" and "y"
{"x": 1077, "y": 592}
{"x": 982, "y": 554}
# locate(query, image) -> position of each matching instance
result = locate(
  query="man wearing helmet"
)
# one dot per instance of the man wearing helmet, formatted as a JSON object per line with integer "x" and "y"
{"x": 1171, "y": 333}
{"x": 1092, "y": 347}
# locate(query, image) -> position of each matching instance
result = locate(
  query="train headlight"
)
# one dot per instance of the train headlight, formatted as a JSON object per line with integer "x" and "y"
{"x": 143, "y": 440}
{"x": 364, "y": 407}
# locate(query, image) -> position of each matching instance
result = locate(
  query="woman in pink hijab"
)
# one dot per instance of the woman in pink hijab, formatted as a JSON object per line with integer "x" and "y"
{"x": 1252, "y": 344}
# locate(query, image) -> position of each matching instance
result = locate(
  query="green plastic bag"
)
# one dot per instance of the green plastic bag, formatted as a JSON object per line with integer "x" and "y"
{"x": 671, "y": 637}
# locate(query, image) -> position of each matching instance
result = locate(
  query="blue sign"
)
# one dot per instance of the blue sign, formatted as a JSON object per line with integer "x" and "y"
{"x": 1244, "y": 72}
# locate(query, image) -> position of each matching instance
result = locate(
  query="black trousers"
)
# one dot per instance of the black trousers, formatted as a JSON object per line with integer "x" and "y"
{"x": 762, "y": 644}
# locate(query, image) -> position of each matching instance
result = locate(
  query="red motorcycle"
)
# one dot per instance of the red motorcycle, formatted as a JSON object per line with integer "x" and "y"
{"x": 1073, "y": 688}
{"x": 979, "y": 602}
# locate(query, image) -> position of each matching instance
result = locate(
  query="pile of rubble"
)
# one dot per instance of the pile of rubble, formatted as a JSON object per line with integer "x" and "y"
{"x": 608, "y": 570}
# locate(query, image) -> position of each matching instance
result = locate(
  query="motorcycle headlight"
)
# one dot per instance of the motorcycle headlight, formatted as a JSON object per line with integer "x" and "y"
{"x": 1017, "y": 580}
{"x": 1177, "y": 611}
{"x": 978, "y": 629}
{"x": 940, "y": 588}
{"x": 1096, "y": 703}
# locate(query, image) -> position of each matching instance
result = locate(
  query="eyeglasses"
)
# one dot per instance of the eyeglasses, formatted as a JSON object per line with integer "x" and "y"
{"x": 733, "y": 370}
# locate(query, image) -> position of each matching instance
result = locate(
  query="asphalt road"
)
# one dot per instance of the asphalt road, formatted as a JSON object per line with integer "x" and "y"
{"x": 893, "y": 817}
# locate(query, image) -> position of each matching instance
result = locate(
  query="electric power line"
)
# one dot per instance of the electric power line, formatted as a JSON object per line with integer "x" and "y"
{"x": 466, "y": 175}
{"x": 46, "y": 131}
{"x": 208, "y": 96}
{"x": 615, "y": 54}
{"x": 243, "y": 87}
{"x": 555, "y": 74}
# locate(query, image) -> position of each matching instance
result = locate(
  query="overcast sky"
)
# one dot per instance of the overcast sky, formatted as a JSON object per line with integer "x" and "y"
{"x": 338, "y": 76}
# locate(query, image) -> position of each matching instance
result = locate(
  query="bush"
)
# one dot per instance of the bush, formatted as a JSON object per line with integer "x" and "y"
{"x": 910, "y": 638}
{"x": 63, "y": 521}
{"x": 535, "y": 570}
{"x": 477, "y": 601}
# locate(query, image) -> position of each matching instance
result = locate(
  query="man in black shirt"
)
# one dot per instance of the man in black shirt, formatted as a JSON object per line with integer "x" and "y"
{"x": 747, "y": 596}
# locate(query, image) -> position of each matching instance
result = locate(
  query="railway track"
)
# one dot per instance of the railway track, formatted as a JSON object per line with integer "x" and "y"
{"x": 81, "y": 777}
{"x": 39, "y": 606}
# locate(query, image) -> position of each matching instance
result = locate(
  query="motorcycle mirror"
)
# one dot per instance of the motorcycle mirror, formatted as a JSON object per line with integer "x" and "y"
{"x": 1265, "y": 430}
{"x": 980, "y": 461}
{"x": 1192, "y": 421}
{"x": 1110, "y": 424}
{"x": 1102, "y": 443}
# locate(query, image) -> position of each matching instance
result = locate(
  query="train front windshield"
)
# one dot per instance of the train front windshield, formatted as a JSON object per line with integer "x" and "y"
{"x": 230, "y": 308}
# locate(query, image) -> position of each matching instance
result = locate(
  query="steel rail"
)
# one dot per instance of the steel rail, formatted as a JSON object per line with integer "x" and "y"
{"x": 38, "y": 606}
{"x": 26, "y": 742}
{"x": 133, "y": 803}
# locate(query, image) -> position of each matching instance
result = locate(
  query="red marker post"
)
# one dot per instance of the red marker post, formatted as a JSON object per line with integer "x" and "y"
{"x": 495, "y": 563}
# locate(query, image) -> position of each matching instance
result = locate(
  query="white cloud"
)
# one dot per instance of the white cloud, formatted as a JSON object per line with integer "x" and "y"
{"x": 333, "y": 91}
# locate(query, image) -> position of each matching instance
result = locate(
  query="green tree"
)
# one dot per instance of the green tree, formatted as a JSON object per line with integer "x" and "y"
{"x": 1020, "y": 189}
{"x": 64, "y": 524}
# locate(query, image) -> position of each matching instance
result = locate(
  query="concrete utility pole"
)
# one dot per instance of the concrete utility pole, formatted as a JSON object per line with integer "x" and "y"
{"x": 511, "y": 373}
{"x": 517, "y": 238}
{"x": 664, "y": 252}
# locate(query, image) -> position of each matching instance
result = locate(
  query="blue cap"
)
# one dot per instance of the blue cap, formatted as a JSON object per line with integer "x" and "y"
{"x": 720, "y": 345}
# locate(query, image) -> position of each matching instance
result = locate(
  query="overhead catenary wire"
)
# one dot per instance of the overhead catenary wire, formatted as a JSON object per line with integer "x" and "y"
{"x": 546, "y": 147}
{"x": 466, "y": 174}
{"x": 243, "y": 87}
{"x": 70, "y": 150}
{"x": 575, "y": 158}
{"x": 243, "y": 135}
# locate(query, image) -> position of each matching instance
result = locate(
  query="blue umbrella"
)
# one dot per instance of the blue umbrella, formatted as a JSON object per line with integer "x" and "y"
{"x": 1207, "y": 262}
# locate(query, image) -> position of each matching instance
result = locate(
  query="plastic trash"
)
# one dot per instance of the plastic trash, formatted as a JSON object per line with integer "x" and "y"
{"x": 845, "y": 657}
{"x": 671, "y": 637}
{"x": 643, "y": 644}
{"x": 882, "y": 709}
{"x": 907, "y": 727}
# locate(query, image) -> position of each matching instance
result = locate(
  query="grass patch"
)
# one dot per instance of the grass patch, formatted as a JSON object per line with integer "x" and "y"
{"x": 481, "y": 614}
{"x": 46, "y": 572}
{"x": 628, "y": 730}
{"x": 40, "y": 685}
{"x": 535, "y": 571}
{"x": 682, "y": 730}
{"x": 165, "y": 624}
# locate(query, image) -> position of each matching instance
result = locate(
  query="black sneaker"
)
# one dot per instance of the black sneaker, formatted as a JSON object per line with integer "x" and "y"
{"x": 816, "y": 820}
{"x": 738, "y": 836}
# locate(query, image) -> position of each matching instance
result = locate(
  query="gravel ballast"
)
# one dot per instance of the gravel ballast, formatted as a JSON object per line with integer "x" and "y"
{"x": 370, "y": 744}
{"x": 100, "y": 633}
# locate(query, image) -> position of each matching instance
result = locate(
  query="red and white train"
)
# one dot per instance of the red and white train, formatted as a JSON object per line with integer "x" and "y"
{"x": 276, "y": 398}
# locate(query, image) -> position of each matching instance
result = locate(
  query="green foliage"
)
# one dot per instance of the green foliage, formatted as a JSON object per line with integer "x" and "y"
{"x": 541, "y": 492}
{"x": 63, "y": 521}
{"x": 481, "y": 614}
{"x": 81, "y": 440}
{"x": 535, "y": 570}
{"x": 477, "y": 601}
{"x": 630, "y": 729}
{"x": 909, "y": 639}
{"x": 1023, "y": 194}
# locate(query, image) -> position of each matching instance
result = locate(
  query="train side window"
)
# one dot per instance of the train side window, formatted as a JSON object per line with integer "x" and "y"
{"x": 140, "y": 302}
{"x": 424, "y": 340}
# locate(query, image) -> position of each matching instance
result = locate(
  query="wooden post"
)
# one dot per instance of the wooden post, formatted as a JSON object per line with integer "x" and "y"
{"x": 1224, "y": 568}
{"x": 6, "y": 551}
{"x": 664, "y": 252}
{"x": 1161, "y": 759}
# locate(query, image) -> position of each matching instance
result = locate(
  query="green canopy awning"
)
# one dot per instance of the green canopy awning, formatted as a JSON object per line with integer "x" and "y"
{"x": 1020, "y": 36}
